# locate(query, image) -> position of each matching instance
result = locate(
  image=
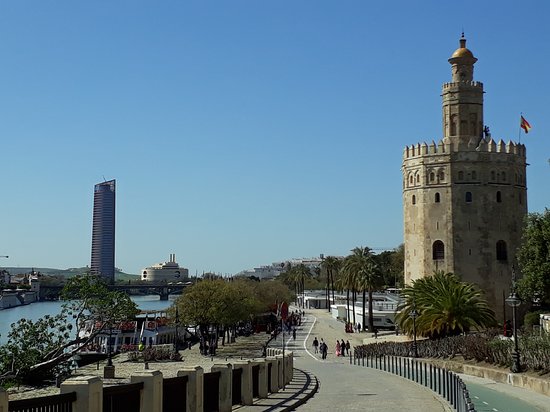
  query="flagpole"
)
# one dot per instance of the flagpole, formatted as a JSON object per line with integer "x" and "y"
{"x": 519, "y": 130}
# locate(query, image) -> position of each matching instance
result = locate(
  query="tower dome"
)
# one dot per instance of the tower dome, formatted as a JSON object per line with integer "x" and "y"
{"x": 462, "y": 53}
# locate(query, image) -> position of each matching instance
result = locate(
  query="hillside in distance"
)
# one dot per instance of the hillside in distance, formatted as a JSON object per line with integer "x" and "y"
{"x": 65, "y": 272}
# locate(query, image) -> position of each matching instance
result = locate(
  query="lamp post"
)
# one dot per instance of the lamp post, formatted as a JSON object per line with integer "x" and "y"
{"x": 414, "y": 314}
{"x": 110, "y": 350}
{"x": 177, "y": 334}
{"x": 514, "y": 301}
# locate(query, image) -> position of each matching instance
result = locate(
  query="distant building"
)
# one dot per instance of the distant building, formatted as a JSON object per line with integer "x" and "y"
{"x": 275, "y": 269}
{"x": 165, "y": 272}
{"x": 465, "y": 197}
{"x": 103, "y": 231}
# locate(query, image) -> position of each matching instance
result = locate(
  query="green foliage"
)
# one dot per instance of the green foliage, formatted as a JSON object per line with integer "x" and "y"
{"x": 531, "y": 319}
{"x": 28, "y": 342}
{"x": 445, "y": 307}
{"x": 40, "y": 350}
{"x": 481, "y": 347}
{"x": 216, "y": 302}
{"x": 391, "y": 265}
{"x": 361, "y": 273}
{"x": 534, "y": 259}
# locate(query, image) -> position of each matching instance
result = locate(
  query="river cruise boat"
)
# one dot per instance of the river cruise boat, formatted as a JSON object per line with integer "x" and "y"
{"x": 152, "y": 328}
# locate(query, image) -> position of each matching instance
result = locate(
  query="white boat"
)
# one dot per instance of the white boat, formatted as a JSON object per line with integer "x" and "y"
{"x": 152, "y": 328}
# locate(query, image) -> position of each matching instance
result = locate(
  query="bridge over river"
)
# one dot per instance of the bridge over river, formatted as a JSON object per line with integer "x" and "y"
{"x": 48, "y": 292}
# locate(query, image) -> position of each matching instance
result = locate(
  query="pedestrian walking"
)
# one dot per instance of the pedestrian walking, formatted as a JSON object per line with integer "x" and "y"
{"x": 294, "y": 334}
{"x": 348, "y": 347}
{"x": 324, "y": 349}
{"x": 315, "y": 345}
{"x": 338, "y": 348}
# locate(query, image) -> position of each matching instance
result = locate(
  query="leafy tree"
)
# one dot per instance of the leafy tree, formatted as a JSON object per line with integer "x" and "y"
{"x": 445, "y": 306}
{"x": 391, "y": 264}
{"x": 270, "y": 294}
{"x": 39, "y": 350}
{"x": 534, "y": 259}
{"x": 218, "y": 304}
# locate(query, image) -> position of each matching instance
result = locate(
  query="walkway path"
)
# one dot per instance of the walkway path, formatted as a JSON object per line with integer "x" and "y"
{"x": 347, "y": 388}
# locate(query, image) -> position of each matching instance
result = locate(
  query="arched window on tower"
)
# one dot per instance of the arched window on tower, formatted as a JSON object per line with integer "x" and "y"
{"x": 468, "y": 197}
{"x": 411, "y": 179}
{"x": 414, "y": 200}
{"x": 461, "y": 175}
{"x": 437, "y": 197}
{"x": 492, "y": 175}
{"x": 453, "y": 125}
{"x": 438, "y": 250}
{"x": 501, "y": 250}
{"x": 417, "y": 178}
{"x": 474, "y": 175}
{"x": 499, "y": 197}
{"x": 473, "y": 124}
{"x": 441, "y": 176}
{"x": 432, "y": 176}
{"x": 503, "y": 176}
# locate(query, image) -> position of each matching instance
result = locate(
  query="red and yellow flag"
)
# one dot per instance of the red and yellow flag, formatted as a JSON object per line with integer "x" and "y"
{"x": 525, "y": 125}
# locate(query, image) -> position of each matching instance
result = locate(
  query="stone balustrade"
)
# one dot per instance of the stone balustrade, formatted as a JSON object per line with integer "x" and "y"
{"x": 263, "y": 376}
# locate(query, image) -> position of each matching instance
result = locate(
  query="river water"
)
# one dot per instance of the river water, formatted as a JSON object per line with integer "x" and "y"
{"x": 36, "y": 310}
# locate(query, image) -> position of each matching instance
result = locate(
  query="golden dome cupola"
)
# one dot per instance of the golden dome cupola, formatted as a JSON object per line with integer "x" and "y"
{"x": 462, "y": 62}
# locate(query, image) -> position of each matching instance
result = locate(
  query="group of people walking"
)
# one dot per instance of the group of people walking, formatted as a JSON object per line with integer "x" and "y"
{"x": 341, "y": 349}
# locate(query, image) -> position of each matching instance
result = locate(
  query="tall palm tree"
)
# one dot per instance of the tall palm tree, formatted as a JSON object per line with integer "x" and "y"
{"x": 345, "y": 282}
{"x": 365, "y": 276}
{"x": 300, "y": 274}
{"x": 331, "y": 264}
{"x": 445, "y": 306}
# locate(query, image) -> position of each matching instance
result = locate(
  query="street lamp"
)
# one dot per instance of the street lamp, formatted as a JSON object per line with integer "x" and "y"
{"x": 177, "y": 334}
{"x": 110, "y": 353}
{"x": 514, "y": 301}
{"x": 414, "y": 314}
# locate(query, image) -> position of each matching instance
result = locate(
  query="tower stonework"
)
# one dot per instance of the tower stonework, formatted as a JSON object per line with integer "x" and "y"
{"x": 465, "y": 197}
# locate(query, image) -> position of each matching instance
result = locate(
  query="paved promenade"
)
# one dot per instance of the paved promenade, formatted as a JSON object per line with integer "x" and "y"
{"x": 344, "y": 387}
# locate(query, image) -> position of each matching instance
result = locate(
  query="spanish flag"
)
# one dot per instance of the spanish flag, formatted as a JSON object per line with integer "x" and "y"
{"x": 525, "y": 125}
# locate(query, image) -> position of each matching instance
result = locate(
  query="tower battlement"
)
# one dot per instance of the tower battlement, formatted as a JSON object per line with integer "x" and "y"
{"x": 472, "y": 83}
{"x": 484, "y": 145}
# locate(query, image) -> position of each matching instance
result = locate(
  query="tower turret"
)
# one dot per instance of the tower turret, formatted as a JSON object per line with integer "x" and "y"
{"x": 463, "y": 101}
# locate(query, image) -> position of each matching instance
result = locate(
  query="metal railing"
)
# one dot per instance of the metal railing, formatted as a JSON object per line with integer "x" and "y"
{"x": 54, "y": 403}
{"x": 445, "y": 383}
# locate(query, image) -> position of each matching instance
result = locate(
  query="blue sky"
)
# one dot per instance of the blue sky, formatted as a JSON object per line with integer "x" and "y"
{"x": 242, "y": 132}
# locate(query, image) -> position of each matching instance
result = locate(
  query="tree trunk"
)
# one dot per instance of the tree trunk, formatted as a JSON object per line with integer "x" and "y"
{"x": 364, "y": 303}
{"x": 353, "y": 306}
{"x": 347, "y": 303}
{"x": 371, "y": 323}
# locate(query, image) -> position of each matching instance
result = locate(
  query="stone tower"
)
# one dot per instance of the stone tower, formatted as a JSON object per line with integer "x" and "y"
{"x": 465, "y": 197}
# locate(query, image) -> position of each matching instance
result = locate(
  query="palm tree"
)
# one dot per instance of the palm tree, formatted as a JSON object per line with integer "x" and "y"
{"x": 299, "y": 274}
{"x": 331, "y": 265}
{"x": 363, "y": 269}
{"x": 445, "y": 306}
{"x": 345, "y": 282}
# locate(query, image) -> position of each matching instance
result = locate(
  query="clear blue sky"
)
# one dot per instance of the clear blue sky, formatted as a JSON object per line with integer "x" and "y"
{"x": 242, "y": 132}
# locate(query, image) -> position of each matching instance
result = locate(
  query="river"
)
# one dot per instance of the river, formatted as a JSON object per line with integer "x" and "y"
{"x": 36, "y": 310}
